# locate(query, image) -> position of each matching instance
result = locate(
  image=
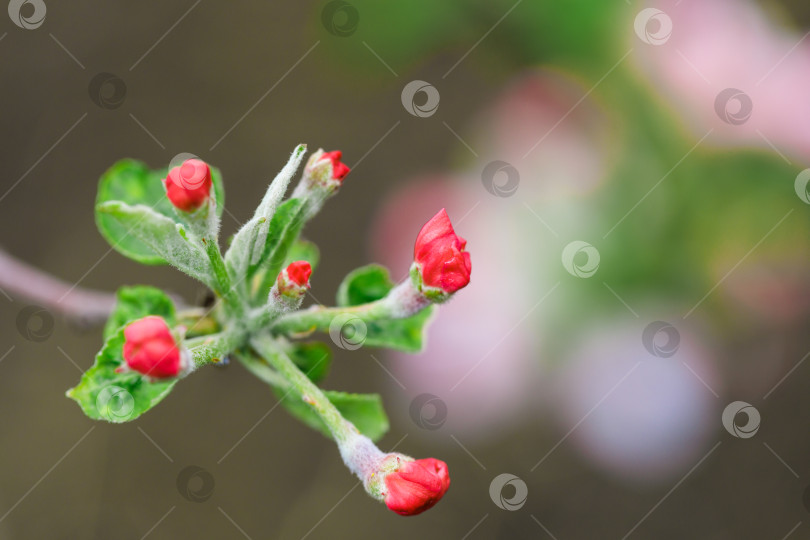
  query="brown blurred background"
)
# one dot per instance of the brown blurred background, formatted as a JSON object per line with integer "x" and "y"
{"x": 231, "y": 82}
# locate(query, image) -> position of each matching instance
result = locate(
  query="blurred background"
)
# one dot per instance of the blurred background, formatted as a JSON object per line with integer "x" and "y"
{"x": 629, "y": 358}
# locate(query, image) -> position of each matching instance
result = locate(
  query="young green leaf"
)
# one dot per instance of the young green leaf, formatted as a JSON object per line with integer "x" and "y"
{"x": 363, "y": 285}
{"x": 284, "y": 230}
{"x": 370, "y": 283}
{"x": 138, "y": 302}
{"x": 365, "y": 411}
{"x": 104, "y": 394}
{"x": 132, "y": 182}
{"x": 248, "y": 246}
{"x": 284, "y": 226}
{"x": 163, "y": 236}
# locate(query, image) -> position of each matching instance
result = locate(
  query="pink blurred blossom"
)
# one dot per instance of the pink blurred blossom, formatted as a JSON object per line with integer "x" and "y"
{"x": 721, "y": 44}
{"x": 636, "y": 415}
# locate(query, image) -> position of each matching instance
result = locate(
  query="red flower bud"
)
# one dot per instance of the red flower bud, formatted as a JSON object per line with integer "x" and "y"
{"x": 440, "y": 255}
{"x": 299, "y": 273}
{"x": 325, "y": 169}
{"x": 339, "y": 169}
{"x": 294, "y": 280}
{"x": 150, "y": 348}
{"x": 189, "y": 185}
{"x": 416, "y": 486}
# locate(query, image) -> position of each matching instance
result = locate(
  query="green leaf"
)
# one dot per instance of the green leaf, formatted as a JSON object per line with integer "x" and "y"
{"x": 132, "y": 182}
{"x": 248, "y": 249}
{"x": 363, "y": 285}
{"x": 163, "y": 236}
{"x": 246, "y": 254}
{"x": 138, "y": 302}
{"x": 312, "y": 357}
{"x": 303, "y": 250}
{"x": 284, "y": 229}
{"x": 370, "y": 283}
{"x": 104, "y": 394}
{"x": 365, "y": 411}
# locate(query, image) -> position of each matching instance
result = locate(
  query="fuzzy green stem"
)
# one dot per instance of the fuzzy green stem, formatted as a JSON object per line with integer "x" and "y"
{"x": 213, "y": 348}
{"x": 223, "y": 280}
{"x": 261, "y": 369}
{"x": 198, "y": 322}
{"x": 342, "y": 430}
{"x": 402, "y": 301}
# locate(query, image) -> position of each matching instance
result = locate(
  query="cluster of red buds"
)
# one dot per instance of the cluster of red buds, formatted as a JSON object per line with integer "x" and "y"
{"x": 156, "y": 351}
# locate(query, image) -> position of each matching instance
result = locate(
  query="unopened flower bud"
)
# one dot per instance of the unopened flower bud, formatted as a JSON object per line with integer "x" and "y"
{"x": 441, "y": 265}
{"x": 413, "y": 486}
{"x": 407, "y": 486}
{"x": 291, "y": 285}
{"x": 188, "y": 186}
{"x": 325, "y": 169}
{"x": 294, "y": 280}
{"x": 150, "y": 348}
